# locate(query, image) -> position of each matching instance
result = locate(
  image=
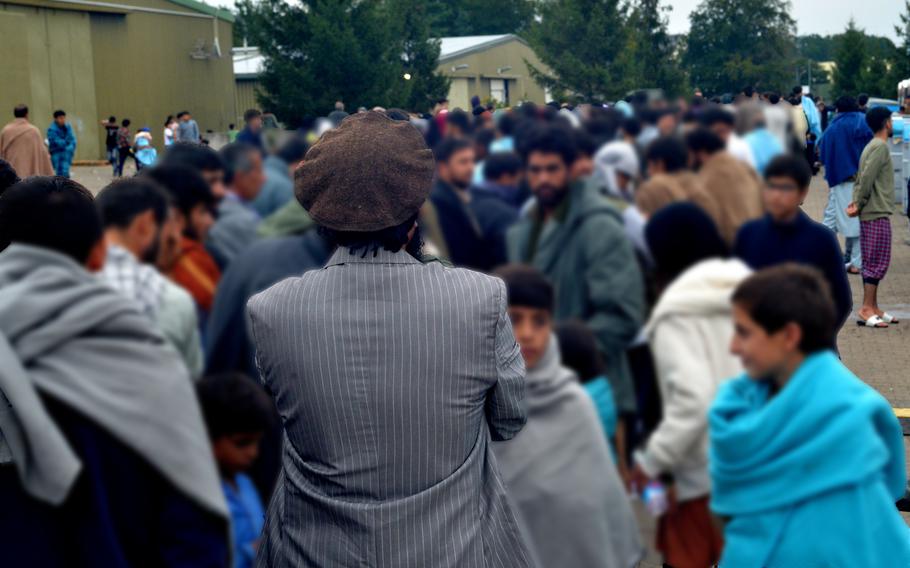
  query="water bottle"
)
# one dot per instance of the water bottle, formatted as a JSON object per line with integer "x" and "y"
{"x": 655, "y": 498}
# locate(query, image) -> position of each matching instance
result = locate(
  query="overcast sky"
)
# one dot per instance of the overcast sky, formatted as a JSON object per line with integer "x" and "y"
{"x": 824, "y": 17}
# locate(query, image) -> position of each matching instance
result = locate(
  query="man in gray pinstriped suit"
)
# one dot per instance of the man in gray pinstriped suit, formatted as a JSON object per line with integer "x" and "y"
{"x": 391, "y": 376}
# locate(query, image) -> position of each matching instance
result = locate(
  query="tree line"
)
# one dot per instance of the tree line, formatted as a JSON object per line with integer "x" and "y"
{"x": 383, "y": 52}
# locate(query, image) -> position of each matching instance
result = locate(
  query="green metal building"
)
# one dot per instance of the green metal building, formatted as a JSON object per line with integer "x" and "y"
{"x": 493, "y": 67}
{"x": 136, "y": 59}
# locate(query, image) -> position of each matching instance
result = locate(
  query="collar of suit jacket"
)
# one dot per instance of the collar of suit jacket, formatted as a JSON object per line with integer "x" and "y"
{"x": 342, "y": 255}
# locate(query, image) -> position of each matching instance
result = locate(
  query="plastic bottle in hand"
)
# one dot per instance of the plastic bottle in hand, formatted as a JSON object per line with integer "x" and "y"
{"x": 655, "y": 498}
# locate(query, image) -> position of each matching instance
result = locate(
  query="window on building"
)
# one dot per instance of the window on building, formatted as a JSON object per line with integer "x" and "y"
{"x": 499, "y": 90}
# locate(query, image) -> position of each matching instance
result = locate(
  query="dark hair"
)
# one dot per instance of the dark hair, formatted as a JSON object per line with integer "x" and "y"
{"x": 250, "y": 114}
{"x": 126, "y": 122}
{"x": 20, "y": 111}
{"x": 56, "y": 213}
{"x": 551, "y": 140}
{"x": 786, "y": 293}
{"x": 460, "y": 119}
{"x": 877, "y": 117}
{"x": 231, "y": 126}
{"x": 749, "y": 90}
{"x": 293, "y": 150}
{"x": 124, "y": 199}
{"x": 797, "y": 90}
{"x": 200, "y": 158}
{"x": 484, "y": 137}
{"x": 184, "y": 184}
{"x": 715, "y": 114}
{"x": 8, "y": 176}
{"x": 168, "y": 120}
{"x": 673, "y": 255}
{"x": 846, "y": 104}
{"x": 579, "y": 350}
{"x": 398, "y": 114}
{"x": 445, "y": 150}
{"x": 506, "y": 124}
{"x": 499, "y": 164}
{"x": 58, "y": 113}
{"x": 773, "y": 98}
{"x": 631, "y": 126}
{"x": 234, "y": 404}
{"x": 671, "y": 151}
{"x": 585, "y": 143}
{"x": 182, "y": 113}
{"x": 526, "y": 286}
{"x": 390, "y": 239}
{"x": 112, "y": 119}
{"x": 703, "y": 140}
{"x": 793, "y": 167}
{"x": 862, "y": 99}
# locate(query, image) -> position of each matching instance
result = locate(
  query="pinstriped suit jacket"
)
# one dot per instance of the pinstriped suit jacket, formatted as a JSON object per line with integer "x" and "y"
{"x": 391, "y": 377}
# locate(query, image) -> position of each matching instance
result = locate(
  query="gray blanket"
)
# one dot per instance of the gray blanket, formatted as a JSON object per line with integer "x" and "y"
{"x": 571, "y": 504}
{"x": 67, "y": 335}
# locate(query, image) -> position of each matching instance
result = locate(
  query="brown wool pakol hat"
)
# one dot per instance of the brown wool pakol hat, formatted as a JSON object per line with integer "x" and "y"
{"x": 370, "y": 173}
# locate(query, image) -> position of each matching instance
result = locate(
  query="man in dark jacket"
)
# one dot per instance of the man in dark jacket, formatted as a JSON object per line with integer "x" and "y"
{"x": 104, "y": 458}
{"x": 577, "y": 240}
{"x": 473, "y": 225}
{"x": 839, "y": 150}
{"x": 252, "y": 132}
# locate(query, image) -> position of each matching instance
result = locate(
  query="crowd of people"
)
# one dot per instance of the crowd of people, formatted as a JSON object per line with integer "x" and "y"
{"x": 468, "y": 338}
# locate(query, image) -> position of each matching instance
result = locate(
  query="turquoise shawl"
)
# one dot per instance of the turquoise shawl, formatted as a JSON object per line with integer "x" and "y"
{"x": 808, "y": 477}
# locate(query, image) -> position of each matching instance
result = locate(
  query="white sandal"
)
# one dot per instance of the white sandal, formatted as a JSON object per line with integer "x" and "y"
{"x": 889, "y": 319}
{"x": 873, "y": 321}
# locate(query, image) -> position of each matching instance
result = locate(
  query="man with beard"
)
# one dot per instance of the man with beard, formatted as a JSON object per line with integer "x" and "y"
{"x": 193, "y": 175}
{"x": 138, "y": 219}
{"x": 576, "y": 238}
{"x": 473, "y": 226}
{"x": 391, "y": 376}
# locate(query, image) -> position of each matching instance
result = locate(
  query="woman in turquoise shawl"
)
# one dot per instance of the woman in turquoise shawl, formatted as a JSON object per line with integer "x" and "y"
{"x": 806, "y": 465}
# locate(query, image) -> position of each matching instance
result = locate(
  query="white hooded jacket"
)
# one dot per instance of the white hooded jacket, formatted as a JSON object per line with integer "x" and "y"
{"x": 690, "y": 332}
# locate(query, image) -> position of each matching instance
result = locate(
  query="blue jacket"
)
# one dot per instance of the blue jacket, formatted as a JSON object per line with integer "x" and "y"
{"x": 842, "y": 145}
{"x": 61, "y": 139}
{"x": 813, "y": 117}
{"x": 808, "y": 477}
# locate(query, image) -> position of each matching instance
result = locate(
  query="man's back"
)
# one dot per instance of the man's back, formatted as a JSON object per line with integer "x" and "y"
{"x": 842, "y": 145}
{"x": 390, "y": 376}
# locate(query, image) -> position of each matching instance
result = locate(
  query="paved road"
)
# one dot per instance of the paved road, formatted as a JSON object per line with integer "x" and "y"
{"x": 881, "y": 357}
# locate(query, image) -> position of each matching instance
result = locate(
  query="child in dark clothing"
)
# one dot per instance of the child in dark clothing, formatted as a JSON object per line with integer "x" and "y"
{"x": 237, "y": 412}
{"x": 787, "y": 234}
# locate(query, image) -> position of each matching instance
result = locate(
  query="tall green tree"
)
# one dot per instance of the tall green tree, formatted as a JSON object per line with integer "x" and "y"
{"x": 582, "y": 42}
{"x": 734, "y": 43}
{"x": 851, "y": 61}
{"x": 654, "y": 56}
{"x": 479, "y": 17}
{"x": 419, "y": 85}
{"x": 362, "y": 52}
{"x": 900, "y": 62}
{"x": 324, "y": 51}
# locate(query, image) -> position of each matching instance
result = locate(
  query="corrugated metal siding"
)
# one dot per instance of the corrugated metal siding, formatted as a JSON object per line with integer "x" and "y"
{"x": 246, "y": 98}
{"x": 60, "y": 71}
{"x": 144, "y": 71}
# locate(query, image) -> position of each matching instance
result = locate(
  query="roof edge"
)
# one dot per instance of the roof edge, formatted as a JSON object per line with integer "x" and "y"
{"x": 480, "y": 47}
{"x": 220, "y": 13}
